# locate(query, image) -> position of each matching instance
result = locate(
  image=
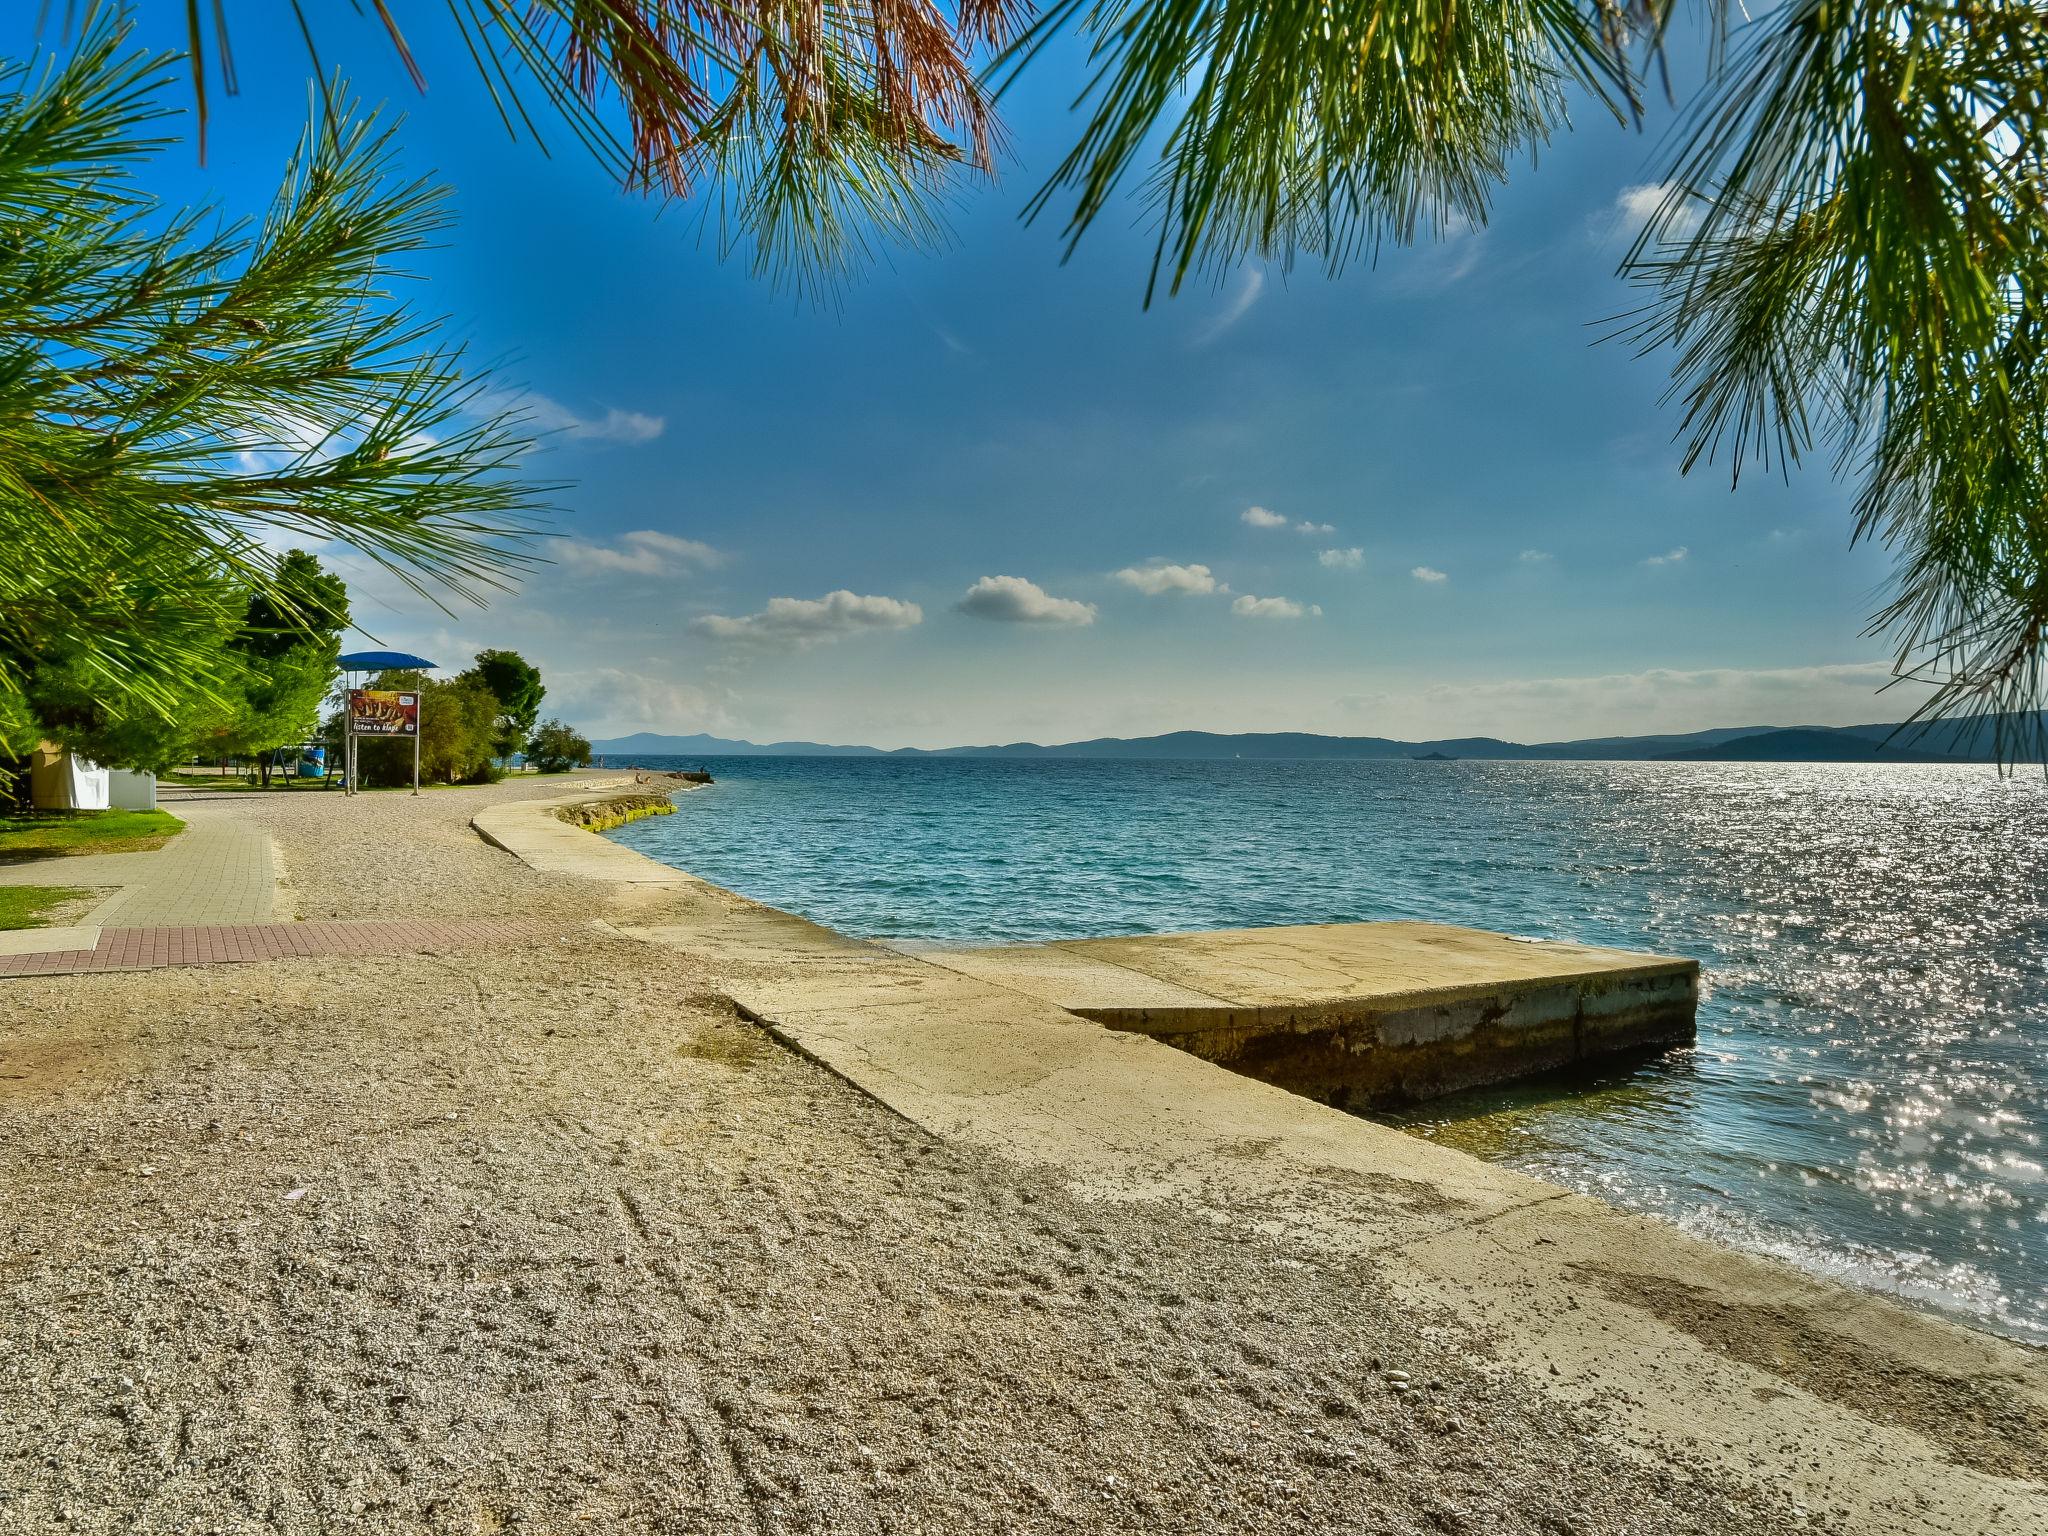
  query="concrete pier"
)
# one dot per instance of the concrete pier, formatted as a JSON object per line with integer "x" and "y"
{"x": 1361, "y": 1015}
{"x": 1870, "y": 1416}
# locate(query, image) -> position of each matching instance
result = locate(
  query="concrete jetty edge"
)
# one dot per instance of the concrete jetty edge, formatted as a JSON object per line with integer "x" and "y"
{"x": 1874, "y": 1416}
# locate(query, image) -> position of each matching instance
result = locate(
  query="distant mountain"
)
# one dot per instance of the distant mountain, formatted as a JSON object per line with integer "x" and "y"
{"x": 1808, "y": 746}
{"x": 1946, "y": 742}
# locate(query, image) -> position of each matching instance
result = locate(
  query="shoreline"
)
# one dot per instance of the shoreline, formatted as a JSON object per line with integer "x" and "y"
{"x": 1683, "y": 1309}
{"x": 1840, "y": 1012}
{"x": 543, "y": 1231}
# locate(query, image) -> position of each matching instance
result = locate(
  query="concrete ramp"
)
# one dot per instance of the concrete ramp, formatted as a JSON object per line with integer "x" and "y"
{"x": 1361, "y": 1014}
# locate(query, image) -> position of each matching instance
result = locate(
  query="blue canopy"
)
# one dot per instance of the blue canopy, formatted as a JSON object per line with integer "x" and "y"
{"x": 384, "y": 661}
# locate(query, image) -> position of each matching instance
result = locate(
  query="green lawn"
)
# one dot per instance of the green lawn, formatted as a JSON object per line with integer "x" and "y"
{"x": 52, "y": 833}
{"x": 23, "y": 906}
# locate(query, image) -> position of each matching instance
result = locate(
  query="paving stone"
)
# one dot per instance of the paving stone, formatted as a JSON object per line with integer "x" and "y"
{"x": 140, "y": 949}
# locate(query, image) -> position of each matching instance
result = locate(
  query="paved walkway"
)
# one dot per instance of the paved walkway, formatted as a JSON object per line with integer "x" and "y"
{"x": 141, "y": 949}
{"x": 218, "y": 870}
{"x": 531, "y": 832}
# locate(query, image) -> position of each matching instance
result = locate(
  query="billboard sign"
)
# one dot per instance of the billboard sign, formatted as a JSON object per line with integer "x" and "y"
{"x": 383, "y": 712}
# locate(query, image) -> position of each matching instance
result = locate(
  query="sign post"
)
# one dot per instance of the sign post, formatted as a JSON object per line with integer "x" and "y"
{"x": 383, "y": 712}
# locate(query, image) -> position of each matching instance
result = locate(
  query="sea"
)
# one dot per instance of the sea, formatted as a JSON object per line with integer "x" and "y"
{"x": 1868, "y": 1097}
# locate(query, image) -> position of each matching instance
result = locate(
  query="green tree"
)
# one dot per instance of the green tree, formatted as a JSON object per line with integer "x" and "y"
{"x": 61, "y": 694}
{"x": 305, "y": 604}
{"x": 458, "y": 721}
{"x": 174, "y": 388}
{"x": 515, "y": 683}
{"x": 288, "y": 649}
{"x": 1851, "y": 257}
{"x": 268, "y": 675}
{"x": 555, "y": 748}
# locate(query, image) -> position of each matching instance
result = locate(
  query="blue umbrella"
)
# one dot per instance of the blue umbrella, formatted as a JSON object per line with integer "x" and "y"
{"x": 384, "y": 661}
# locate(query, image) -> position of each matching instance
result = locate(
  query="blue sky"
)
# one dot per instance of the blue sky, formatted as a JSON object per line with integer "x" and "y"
{"x": 1497, "y": 536}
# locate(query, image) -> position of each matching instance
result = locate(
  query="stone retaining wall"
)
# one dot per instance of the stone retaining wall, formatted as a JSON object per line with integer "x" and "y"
{"x": 616, "y": 811}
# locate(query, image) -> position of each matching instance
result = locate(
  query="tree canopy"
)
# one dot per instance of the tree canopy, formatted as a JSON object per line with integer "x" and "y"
{"x": 515, "y": 683}
{"x": 180, "y": 394}
{"x": 289, "y": 650}
{"x": 457, "y": 740}
{"x": 556, "y": 748}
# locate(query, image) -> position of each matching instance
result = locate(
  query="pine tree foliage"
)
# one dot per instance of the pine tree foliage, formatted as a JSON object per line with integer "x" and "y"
{"x": 1853, "y": 255}
{"x": 556, "y": 748}
{"x": 181, "y": 395}
{"x": 819, "y": 132}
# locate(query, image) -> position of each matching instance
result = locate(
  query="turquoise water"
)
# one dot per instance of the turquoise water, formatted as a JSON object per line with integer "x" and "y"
{"x": 1868, "y": 1097}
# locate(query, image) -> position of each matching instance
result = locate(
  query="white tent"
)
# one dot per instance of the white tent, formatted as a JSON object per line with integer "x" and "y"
{"x": 59, "y": 780}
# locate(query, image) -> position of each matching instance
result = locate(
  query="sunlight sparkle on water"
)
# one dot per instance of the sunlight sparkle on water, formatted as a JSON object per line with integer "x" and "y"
{"x": 1868, "y": 1091}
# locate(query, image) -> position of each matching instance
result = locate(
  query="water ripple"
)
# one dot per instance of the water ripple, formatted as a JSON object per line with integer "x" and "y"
{"x": 1867, "y": 1098}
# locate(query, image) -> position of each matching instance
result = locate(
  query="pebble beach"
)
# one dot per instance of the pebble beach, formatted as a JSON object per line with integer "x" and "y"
{"x": 543, "y": 1237}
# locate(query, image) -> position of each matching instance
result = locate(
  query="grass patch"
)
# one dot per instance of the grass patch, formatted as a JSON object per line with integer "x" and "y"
{"x": 281, "y": 786}
{"x": 25, "y": 906}
{"x": 280, "y": 782}
{"x": 52, "y": 834}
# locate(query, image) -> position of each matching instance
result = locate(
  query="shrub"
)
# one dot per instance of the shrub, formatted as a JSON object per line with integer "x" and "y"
{"x": 457, "y": 720}
{"x": 555, "y": 748}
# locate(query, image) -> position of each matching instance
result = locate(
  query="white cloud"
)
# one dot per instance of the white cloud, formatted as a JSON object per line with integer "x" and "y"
{"x": 608, "y": 701}
{"x": 1315, "y": 528}
{"x": 292, "y": 439}
{"x": 1428, "y": 574}
{"x": 1668, "y": 699}
{"x": 1535, "y": 557}
{"x": 1341, "y": 559}
{"x": 1157, "y": 578}
{"x": 808, "y": 621}
{"x": 1459, "y": 247}
{"x": 1259, "y": 517}
{"x": 1013, "y": 600}
{"x": 643, "y": 552}
{"x": 555, "y": 419}
{"x": 1637, "y": 207}
{"x": 1631, "y": 703}
{"x": 1240, "y": 305}
{"x": 1249, "y": 607}
{"x": 1669, "y": 557}
{"x": 285, "y": 440}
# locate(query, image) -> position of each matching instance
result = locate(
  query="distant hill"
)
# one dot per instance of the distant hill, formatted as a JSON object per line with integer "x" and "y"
{"x": 1808, "y": 746}
{"x": 1947, "y": 742}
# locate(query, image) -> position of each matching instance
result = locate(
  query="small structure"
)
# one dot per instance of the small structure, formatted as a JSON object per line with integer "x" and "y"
{"x": 381, "y": 711}
{"x": 131, "y": 789}
{"x": 60, "y": 780}
{"x": 1362, "y": 1015}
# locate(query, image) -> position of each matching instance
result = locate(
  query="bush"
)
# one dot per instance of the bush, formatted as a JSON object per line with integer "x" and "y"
{"x": 554, "y": 748}
{"x": 457, "y": 720}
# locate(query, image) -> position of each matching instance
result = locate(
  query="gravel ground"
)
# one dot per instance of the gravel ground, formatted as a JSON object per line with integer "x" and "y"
{"x": 545, "y": 1239}
{"x": 387, "y": 854}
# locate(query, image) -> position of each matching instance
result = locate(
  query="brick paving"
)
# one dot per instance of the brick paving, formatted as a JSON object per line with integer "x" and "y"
{"x": 141, "y": 949}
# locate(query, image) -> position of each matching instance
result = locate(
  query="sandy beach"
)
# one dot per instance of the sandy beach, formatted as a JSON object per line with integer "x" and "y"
{"x": 543, "y": 1237}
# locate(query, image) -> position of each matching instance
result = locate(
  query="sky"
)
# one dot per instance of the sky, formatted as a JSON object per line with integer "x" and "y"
{"x": 985, "y": 495}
